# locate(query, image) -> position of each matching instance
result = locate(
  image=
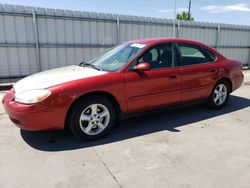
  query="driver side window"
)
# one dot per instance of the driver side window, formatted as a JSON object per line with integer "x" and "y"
{"x": 159, "y": 56}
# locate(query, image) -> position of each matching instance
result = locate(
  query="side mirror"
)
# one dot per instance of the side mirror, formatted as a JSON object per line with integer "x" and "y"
{"x": 143, "y": 66}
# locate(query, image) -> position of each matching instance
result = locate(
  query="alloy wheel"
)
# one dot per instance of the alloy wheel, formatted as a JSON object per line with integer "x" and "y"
{"x": 220, "y": 94}
{"x": 94, "y": 119}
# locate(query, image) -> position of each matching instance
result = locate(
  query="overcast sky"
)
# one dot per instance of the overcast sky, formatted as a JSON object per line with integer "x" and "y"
{"x": 223, "y": 11}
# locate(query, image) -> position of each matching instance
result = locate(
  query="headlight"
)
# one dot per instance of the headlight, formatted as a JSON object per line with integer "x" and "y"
{"x": 32, "y": 96}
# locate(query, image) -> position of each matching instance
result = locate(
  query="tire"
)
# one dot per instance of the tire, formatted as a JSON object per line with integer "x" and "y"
{"x": 92, "y": 117}
{"x": 219, "y": 96}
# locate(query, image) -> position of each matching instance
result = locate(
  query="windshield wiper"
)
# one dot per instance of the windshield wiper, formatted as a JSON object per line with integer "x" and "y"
{"x": 91, "y": 65}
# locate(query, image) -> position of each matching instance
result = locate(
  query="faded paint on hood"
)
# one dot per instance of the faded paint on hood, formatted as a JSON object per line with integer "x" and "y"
{"x": 54, "y": 77}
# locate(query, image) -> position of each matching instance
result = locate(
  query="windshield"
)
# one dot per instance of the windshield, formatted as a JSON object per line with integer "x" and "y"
{"x": 116, "y": 58}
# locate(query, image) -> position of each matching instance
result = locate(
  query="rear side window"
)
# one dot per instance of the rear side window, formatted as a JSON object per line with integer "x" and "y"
{"x": 192, "y": 55}
{"x": 210, "y": 54}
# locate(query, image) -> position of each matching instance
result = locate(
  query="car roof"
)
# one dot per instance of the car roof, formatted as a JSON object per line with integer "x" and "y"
{"x": 154, "y": 41}
{"x": 162, "y": 40}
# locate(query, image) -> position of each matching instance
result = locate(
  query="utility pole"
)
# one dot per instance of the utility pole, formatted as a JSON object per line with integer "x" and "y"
{"x": 174, "y": 18}
{"x": 189, "y": 9}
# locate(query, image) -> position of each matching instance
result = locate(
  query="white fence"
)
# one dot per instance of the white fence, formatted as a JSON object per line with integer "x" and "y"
{"x": 35, "y": 39}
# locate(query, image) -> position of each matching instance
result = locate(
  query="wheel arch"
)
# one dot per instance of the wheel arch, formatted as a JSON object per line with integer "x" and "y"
{"x": 228, "y": 80}
{"x": 107, "y": 95}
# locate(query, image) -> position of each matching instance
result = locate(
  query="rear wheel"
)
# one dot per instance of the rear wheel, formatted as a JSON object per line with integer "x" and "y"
{"x": 92, "y": 117}
{"x": 219, "y": 95}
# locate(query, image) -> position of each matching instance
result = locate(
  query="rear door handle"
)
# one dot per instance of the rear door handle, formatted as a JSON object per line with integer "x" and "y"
{"x": 213, "y": 70}
{"x": 173, "y": 76}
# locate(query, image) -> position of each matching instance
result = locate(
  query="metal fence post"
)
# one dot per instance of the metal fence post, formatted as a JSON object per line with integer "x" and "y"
{"x": 248, "y": 65}
{"x": 117, "y": 30}
{"x": 38, "y": 59}
{"x": 217, "y": 37}
{"x": 178, "y": 28}
{"x": 174, "y": 32}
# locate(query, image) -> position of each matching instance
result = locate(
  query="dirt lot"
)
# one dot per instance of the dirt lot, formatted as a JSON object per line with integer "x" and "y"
{"x": 188, "y": 147}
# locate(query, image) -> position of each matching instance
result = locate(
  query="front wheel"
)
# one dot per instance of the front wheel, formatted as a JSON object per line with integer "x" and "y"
{"x": 219, "y": 95}
{"x": 92, "y": 117}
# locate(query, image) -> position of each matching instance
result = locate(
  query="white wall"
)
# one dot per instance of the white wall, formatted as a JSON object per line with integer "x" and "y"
{"x": 68, "y": 37}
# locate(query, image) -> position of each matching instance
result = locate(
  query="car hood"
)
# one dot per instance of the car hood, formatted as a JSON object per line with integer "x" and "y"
{"x": 54, "y": 77}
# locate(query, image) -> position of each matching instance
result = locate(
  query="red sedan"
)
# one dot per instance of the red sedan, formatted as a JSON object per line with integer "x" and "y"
{"x": 136, "y": 76}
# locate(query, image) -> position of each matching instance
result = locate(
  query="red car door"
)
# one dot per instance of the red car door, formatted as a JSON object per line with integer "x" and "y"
{"x": 158, "y": 87}
{"x": 199, "y": 72}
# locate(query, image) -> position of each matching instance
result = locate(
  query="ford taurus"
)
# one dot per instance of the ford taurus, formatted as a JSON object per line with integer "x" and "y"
{"x": 133, "y": 77}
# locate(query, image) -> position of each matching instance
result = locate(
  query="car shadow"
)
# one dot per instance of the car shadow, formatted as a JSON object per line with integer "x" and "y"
{"x": 168, "y": 120}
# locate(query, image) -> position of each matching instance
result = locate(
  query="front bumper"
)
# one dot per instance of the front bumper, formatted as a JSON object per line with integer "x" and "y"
{"x": 35, "y": 117}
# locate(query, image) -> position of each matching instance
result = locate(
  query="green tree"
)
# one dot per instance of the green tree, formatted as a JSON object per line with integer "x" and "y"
{"x": 184, "y": 16}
